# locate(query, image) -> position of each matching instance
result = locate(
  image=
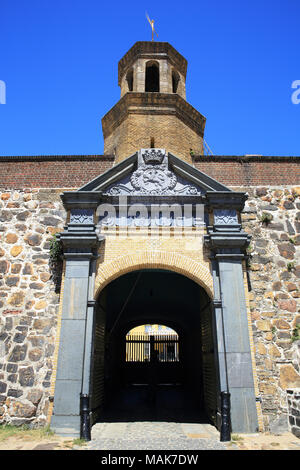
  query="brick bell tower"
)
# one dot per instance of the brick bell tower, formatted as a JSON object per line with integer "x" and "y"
{"x": 152, "y": 110}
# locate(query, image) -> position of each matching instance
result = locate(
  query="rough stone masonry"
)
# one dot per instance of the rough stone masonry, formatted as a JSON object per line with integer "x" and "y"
{"x": 28, "y": 303}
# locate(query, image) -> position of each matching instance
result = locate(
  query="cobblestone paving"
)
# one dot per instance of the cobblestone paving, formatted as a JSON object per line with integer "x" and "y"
{"x": 154, "y": 436}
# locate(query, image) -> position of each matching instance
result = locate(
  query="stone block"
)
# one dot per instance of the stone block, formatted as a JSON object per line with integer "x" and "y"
{"x": 71, "y": 352}
{"x": 67, "y": 397}
{"x": 22, "y": 409}
{"x": 281, "y": 324}
{"x": 11, "y": 238}
{"x": 4, "y": 266}
{"x": 17, "y": 299}
{"x": 34, "y": 396}
{"x": 26, "y": 376}
{"x": 274, "y": 351}
{"x": 40, "y": 305}
{"x": 263, "y": 325}
{"x": 18, "y": 353}
{"x": 288, "y": 377}
{"x": 67, "y": 426}
{"x": 289, "y": 305}
{"x": 33, "y": 239}
{"x": 239, "y": 370}
{"x": 287, "y": 250}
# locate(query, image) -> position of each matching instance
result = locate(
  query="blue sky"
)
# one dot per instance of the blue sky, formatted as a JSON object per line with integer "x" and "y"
{"x": 59, "y": 62}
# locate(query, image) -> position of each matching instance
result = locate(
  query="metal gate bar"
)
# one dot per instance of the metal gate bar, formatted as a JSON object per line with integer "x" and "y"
{"x": 149, "y": 348}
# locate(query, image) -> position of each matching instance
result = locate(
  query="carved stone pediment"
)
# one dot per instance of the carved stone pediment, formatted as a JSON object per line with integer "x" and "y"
{"x": 153, "y": 172}
{"x": 153, "y": 177}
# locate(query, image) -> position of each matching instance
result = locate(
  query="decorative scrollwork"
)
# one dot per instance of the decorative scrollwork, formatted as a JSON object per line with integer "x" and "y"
{"x": 82, "y": 216}
{"x": 153, "y": 180}
{"x": 225, "y": 217}
{"x": 153, "y": 156}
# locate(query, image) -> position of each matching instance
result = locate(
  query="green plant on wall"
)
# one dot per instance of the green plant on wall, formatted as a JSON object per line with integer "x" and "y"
{"x": 249, "y": 251}
{"x": 296, "y": 333}
{"x": 290, "y": 266}
{"x": 55, "y": 249}
{"x": 56, "y": 261}
{"x": 266, "y": 218}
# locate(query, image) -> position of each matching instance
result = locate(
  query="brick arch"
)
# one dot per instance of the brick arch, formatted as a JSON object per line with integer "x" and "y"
{"x": 194, "y": 270}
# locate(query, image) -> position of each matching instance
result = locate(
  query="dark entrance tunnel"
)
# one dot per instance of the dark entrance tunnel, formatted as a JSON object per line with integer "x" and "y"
{"x": 158, "y": 387}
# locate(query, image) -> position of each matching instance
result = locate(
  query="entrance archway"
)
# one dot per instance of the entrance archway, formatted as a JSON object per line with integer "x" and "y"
{"x": 183, "y": 391}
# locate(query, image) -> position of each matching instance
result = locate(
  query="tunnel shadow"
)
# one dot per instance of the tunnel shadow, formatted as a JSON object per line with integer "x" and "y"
{"x": 128, "y": 387}
{"x": 165, "y": 402}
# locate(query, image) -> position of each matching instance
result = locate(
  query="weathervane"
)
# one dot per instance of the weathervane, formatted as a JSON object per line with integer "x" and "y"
{"x": 152, "y": 25}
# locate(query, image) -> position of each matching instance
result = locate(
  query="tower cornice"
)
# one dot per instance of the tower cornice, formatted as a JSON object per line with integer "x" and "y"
{"x": 153, "y": 104}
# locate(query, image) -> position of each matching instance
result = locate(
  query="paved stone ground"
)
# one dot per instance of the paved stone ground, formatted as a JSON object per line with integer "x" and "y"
{"x": 28, "y": 443}
{"x": 154, "y": 436}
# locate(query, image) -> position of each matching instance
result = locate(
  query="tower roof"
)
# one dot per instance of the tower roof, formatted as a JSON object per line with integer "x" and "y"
{"x": 151, "y": 49}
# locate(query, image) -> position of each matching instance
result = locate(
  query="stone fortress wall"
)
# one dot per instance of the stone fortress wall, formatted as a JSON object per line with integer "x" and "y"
{"x": 29, "y": 295}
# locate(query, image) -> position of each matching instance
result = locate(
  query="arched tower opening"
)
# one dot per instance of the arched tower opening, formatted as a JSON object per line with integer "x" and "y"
{"x": 175, "y": 81}
{"x": 152, "y": 77}
{"x": 129, "y": 80}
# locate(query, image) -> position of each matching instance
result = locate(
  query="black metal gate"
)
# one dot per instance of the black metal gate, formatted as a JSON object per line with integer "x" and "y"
{"x": 152, "y": 348}
{"x": 152, "y": 358}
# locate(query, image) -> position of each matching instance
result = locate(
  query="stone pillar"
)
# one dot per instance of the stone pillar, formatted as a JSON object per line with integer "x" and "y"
{"x": 218, "y": 332}
{"x": 80, "y": 245}
{"x": 165, "y": 77}
{"x": 228, "y": 243}
{"x": 139, "y": 76}
{"x": 181, "y": 87}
